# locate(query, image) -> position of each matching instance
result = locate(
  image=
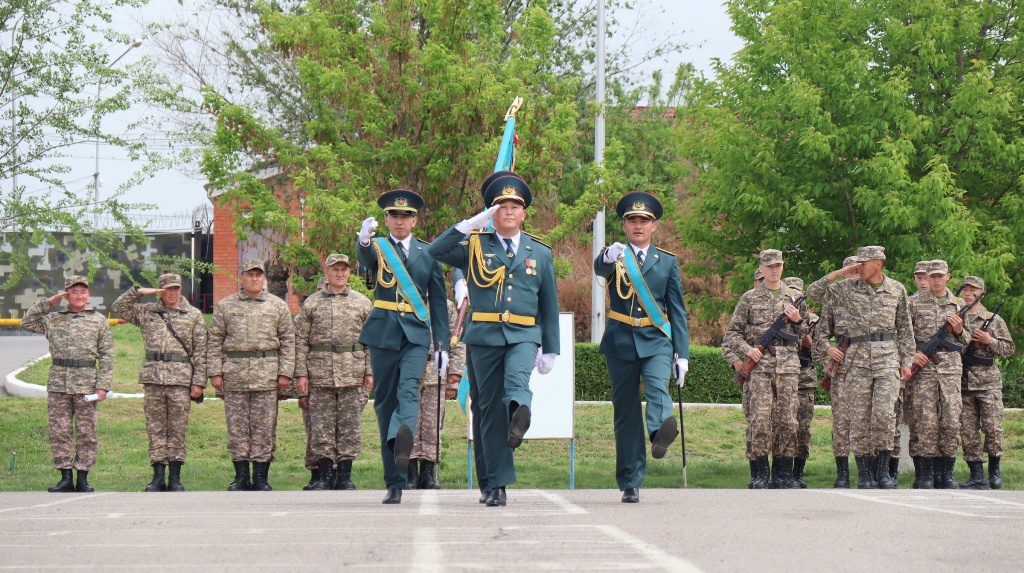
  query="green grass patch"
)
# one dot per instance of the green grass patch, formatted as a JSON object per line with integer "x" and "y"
{"x": 128, "y": 357}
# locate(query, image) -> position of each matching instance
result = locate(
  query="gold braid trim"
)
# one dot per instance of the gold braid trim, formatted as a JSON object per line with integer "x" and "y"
{"x": 479, "y": 273}
{"x": 622, "y": 280}
{"x": 383, "y": 267}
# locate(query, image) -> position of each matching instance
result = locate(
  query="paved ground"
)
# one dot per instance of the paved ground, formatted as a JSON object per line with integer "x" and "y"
{"x": 15, "y": 351}
{"x": 670, "y": 530}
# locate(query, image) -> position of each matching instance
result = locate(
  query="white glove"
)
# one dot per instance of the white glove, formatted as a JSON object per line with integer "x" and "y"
{"x": 547, "y": 362}
{"x": 613, "y": 252}
{"x": 680, "y": 369}
{"x": 366, "y": 232}
{"x": 536, "y": 359}
{"x": 478, "y": 221}
{"x": 441, "y": 359}
{"x": 461, "y": 292}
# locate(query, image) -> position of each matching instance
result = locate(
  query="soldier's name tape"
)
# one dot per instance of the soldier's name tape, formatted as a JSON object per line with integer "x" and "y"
{"x": 251, "y": 354}
{"x": 504, "y": 317}
{"x": 631, "y": 320}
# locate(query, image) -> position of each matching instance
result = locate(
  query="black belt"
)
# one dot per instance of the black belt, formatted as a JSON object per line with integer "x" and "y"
{"x": 338, "y": 348}
{"x": 805, "y": 361}
{"x": 160, "y": 357}
{"x": 251, "y": 354}
{"x": 74, "y": 363}
{"x": 873, "y": 337}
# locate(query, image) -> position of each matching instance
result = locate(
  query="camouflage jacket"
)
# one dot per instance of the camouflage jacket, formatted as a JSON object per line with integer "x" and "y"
{"x": 988, "y": 377}
{"x": 755, "y": 312}
{"x": 928, "y": 317}
{"x": 456, "y": 356}
{"x": 81, "y": 335}
{"x": 189, "y": 325}
{"x": 332, "y": 319}
{"x": 859, "y": 310}
{"x": 246, "y": 324}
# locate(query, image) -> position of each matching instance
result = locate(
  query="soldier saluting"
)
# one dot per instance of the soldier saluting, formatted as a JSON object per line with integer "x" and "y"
{"x": 174, "y": 336}
{"x": 646, "y": 336}
{"x": 514, "y": 323}
{"x": 410, "y": 311}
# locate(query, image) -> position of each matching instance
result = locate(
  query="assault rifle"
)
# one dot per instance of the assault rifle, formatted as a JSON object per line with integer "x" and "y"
{"x": 969, "y": 357}
{"x": 767, "y": 343}
{"x": 832, "y": 368}
{"x": 941, "y": 339}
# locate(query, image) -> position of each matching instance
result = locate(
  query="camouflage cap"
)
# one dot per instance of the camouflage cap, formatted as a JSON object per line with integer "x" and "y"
{"x": 758, "y": 275}
{"x": 336, "y": 258}
{"x": 771, "y": 257}
{"x": 848, "y": 261}
{"x": 938, "y": 267}
{"x": 873, "y": 253}
{"x": 971, "y": 280}
{"x": 75, "y": 280}
{"x": 921, "y": 267}
{"x": 252, "y": 264}
{"x": 167, "y": 280}
{"x": 795, "y": 282}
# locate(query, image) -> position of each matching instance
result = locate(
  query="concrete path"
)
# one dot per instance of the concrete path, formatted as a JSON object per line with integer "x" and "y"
{"x": 15, "y": 351}
{"x": 589, "y": 530}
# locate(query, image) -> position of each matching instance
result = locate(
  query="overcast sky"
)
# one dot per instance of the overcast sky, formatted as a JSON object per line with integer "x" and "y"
{"x": 702, "y": 25}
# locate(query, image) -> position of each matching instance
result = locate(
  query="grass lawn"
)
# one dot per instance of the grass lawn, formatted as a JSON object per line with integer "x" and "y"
{"x": 128, "y": 358}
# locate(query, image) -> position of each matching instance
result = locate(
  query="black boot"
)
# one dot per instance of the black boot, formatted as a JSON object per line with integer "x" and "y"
{"x": 917, "y": 472}
{"x": 66, "y": 483}
{"x": 977, "y": 479}
{"x": 83, "y": 483}
{"x": 314, "y": 476}
{"x": 842, "y": 473}
{"x": 864, "y": 480}
{"x": 937, "y": 464}
{"x": 784, "y": 474}
{"x": 773, "y": 475}
{"x": 241, "y": 482}
{"x": 882, "y": 475}
{"x": 158, "y": 483}
{"x": 753, "y": 473}
{"x": 927, "y": 470}
{"x": 894, "y": 471}
{"x": 873, "y": 464}
{"x": 995, "y": 477}
{"x": 798, "y": 471}
{"x": 343, "y": 477}
{"x": 760, "y": 480}
{"x": 413, "y": 475}
{"x": 174, "y": 477}
{"x": 260, "y": 473}
{"x": 326, "y": 471}
{"x": 427, "y": 479}
{"x": 948, "y": 481}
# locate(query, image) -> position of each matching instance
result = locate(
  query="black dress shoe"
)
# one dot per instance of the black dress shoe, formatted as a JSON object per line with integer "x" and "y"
{"x": 664, "y": 437}
{"x": 484, "y": 494}
{"x": 394, "y": 496}
{"x": 518, "y": 426}
{"x": 497, "y": 497}
{"x": 631, "y": 495}
{"x": 403, "y": 448}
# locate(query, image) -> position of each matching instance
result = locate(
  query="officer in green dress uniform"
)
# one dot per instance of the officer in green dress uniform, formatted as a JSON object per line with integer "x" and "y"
{"x": 410, "y": 309}
{"x": 646, "y": 336}
{"x": 513, "y": 326}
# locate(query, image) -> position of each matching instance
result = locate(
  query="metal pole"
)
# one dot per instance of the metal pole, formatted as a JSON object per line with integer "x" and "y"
{"x": 597, "y": 291}
{"x": 96, "y": 174}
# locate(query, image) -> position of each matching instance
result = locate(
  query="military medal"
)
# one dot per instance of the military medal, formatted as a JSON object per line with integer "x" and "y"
{"x": 530, "y": 266}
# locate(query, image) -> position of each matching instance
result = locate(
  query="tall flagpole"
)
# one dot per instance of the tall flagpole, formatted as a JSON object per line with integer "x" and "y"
{"x": 597, "y": 316}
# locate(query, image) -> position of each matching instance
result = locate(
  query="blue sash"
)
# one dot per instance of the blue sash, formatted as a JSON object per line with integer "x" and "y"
{"x": 405, "y": 284}
{"x": 643, "y": 293}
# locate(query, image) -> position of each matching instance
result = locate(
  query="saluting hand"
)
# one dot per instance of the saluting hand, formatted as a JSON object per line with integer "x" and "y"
{"x": 55, "y": 299}
{"x": 149, "y": 291}
{"x": 478, "y": 221}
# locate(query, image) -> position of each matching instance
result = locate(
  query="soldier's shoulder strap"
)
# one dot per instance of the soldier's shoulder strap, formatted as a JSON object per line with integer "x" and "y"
{"x": 667, "y": 252}
{"x": 536, "y": 239}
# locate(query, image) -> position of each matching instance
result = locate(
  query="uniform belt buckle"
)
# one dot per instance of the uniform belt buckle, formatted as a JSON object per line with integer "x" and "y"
{"x": 401, "y": 306}
{"x": 636, "y": 322}
{"x": 334, "y": 348}
{"x": 506, "y": 316}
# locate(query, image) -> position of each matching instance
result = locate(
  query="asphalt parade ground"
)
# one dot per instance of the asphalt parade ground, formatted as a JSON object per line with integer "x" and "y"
{"x": 583, "y": 530}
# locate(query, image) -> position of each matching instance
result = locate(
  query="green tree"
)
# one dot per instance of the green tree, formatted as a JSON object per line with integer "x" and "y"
{"x": 842, "y": 124}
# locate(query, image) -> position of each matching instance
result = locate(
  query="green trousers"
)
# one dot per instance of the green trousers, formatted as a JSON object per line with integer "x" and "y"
{"x": 630, "y": 438}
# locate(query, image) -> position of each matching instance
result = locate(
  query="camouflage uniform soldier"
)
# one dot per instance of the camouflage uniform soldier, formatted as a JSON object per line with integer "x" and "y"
{"x": 805, "y": 396}
{"x": 874, "y": 308}
{"x": 83, "y": 363}
{"x": 334, "y": 369}
{"x": 982, "y": 390}
{"x": 425, "y": 449}
{"x": 251, "y": 357}
{"x": 937, "y": 400}
{"x": 904, "y": 406}
{"x": 758, "y": 281}
{"x": 174, "y": 336}
{"x": 771, "y": 390}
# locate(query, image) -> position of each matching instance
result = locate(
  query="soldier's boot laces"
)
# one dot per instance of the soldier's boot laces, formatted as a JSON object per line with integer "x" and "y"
{"x": 842, "y": 473}
{"x": 314, "y": 476}
{"x": 753, "y": 473}
{"x": 326, "y": 471}
{"x": 995, "y": 477}
{"x": 785, "y": 474}
{"x": 937, "y": 465}
{"x": 894, "y": 471}
{"x": 882, "y": 475}
{"x": 948, "y": 481}
{"x": 158, "y": 483}
{"x": 66, "y": 483}
{"x": 83, "y": 483}
{"x": 241, "y": 482}
{"x": 927, "y": 480}
{"x": 412, "y": 476}
{"x": 760, "y": 480}
{"x": 864, "y": 473}
{"x": 427, "y": 478}
{"x": 260, "y": 474}
{"x": 977, "y": 479}
{"x": 343, "y": 477}
{"x": 174, "y": 477}
{"x": 798, "y": 471}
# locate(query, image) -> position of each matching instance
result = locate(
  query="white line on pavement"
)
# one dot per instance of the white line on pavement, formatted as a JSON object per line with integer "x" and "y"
{"x": 662, "y": 559}
{"x": 428, "y": 502}
{"x": 560, "y": 501}
{"x": 901, "y": 504}
{"x": 426, "y": 550}
{"x": 53, "y": 503}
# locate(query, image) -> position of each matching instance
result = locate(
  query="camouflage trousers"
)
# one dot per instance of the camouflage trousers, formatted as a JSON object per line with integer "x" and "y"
{"x": 982, "y": 409}
{"x": 937, "y": 406}
{"x": 840, "y": 418}
{"x": 907, "y": 400}
{"x": 335, "y": 422}
{"x": 771, "y": 414}
{"x": 898, "y": 410}
{"x": 425, "y": 447}
{"x": 309, "y": 460}
{"x": 804, "y": 417}
{"x": 166, "y": 408}
{"x": 68, "y": 412}
{"x": 871, "y": 397}
{"x": 252, "y": 424}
